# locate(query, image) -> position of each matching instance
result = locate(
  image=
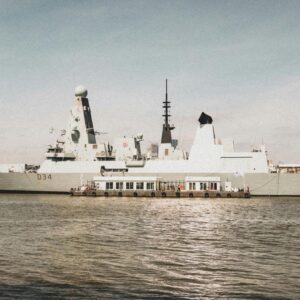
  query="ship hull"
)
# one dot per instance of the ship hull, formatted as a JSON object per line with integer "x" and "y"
{"x": 259, "y": 184}
{"x": 42, "y": 183}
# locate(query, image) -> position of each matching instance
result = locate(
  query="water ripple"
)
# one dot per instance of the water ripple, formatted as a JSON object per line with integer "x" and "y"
{"x": 72, "y": 248}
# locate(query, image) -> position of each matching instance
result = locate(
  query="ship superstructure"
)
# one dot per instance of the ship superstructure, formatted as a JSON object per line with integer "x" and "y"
{"x": 76, "y": 157}
{"x": 79, "y": 138}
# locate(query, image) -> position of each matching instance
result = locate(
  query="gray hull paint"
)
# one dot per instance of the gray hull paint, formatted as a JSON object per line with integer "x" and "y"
{"x": 259, "y": 184}
{"x": 31, "y": 182}
{"x": 274, "y": 184}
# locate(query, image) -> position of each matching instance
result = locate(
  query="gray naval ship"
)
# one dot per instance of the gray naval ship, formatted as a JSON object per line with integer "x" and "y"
{"x": 77, "y": 158}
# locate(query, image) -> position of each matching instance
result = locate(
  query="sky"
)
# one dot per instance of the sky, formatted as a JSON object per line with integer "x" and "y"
{"x": 236, "y": 60}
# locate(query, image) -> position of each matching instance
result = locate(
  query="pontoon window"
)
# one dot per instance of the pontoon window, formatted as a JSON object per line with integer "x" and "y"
{"x": 150, "y": 185}
{"x": 119, "y": 185}
{"x": 192, "y": 186}
{"x": 129, "y": 185}
{"x": 109, "y": 185}
{"x": 140, "y": 185}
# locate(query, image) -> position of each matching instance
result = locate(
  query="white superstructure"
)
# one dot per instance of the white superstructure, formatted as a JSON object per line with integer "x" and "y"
{"x": 81, "y": 154}
{"x": 211, "y": 156}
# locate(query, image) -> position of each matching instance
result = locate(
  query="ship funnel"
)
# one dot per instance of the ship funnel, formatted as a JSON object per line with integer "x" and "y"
{"x": 205, "y": 119}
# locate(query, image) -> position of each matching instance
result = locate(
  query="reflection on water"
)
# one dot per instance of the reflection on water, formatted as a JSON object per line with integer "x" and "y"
{"x": 63, "y": 247}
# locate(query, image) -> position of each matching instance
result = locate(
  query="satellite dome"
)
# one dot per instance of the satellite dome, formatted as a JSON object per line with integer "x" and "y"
{"x": 81, "y": 91}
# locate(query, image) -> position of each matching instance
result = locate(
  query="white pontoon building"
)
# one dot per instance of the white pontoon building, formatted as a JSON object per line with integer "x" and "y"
{"x": 152, "y": 183}
{"x": 202, "y": 183}
{"x": 149, "y": 183}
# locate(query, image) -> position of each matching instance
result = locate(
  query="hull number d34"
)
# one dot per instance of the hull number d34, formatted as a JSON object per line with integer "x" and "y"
{"x": 44, "y": 176}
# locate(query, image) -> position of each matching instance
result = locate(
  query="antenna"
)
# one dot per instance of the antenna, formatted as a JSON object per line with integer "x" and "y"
{"x": 166, "y": 134}
{"x": 166, "y": 106}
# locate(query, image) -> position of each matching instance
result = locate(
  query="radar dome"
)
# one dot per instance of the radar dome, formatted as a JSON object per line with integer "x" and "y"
{"x": 81, "y": 91}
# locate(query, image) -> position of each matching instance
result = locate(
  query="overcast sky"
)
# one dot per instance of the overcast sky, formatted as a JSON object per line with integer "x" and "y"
{"x": 238, "y": 61}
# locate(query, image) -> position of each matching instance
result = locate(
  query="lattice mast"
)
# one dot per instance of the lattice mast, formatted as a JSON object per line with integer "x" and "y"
{"x": 166, "y": 137}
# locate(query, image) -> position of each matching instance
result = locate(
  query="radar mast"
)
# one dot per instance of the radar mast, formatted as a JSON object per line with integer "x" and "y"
{"x": 166, "y": 137}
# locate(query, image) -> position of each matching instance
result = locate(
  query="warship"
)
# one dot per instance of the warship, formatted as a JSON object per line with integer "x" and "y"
{"x": 77, "y": 158}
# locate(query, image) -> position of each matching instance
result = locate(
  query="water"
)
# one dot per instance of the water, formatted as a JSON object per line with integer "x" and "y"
{"x": 61, "y": 247}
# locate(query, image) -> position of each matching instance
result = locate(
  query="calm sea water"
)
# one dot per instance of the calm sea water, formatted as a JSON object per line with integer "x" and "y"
{"x": 61, "y": 247}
